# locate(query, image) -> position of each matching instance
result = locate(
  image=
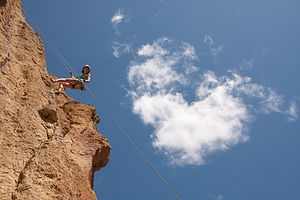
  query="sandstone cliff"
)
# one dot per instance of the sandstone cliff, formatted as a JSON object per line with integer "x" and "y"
{"x": 49, "y": 145}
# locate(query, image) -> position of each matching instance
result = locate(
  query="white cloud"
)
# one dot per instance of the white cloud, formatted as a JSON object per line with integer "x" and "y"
{"x": 191, "y": 69}
{"x": 117, "y": 18}
{"x": 154, "y": 49}
{"x": 189, "y": 51}
{"x": 216, "y": 119}
{"x": 272, "y": 102}
{"x": 214, "y": 49}
{"x": 188, "y": 132}
{"x": 208, "y": 40}
{"x": 120, "y": 48}
{"x": 155, "y": 74}
{"x": 292, "y": 111}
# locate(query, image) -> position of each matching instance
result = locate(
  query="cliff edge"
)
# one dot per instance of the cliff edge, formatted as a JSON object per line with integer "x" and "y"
{"x": 49, "y": 145}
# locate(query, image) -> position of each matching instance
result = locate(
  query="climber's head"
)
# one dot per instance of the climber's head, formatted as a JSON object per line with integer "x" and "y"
{"x": 86, "y": 69}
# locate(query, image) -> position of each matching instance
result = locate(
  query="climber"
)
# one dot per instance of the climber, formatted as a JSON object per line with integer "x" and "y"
{"x": 74, "y": 83}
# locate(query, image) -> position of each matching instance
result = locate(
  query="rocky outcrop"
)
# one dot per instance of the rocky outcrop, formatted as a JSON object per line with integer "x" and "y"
{"x": 49, "y": 145}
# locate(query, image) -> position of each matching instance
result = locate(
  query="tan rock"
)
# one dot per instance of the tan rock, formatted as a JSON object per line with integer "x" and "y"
{"x": 49, "y": 145}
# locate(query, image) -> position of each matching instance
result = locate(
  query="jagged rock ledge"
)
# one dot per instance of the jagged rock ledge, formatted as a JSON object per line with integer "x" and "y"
{"x": 49, "y": 145}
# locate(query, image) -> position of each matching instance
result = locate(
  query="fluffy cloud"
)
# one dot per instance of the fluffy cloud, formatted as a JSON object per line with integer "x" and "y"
{"x": 154, "y": 49}
{"x": 117, "y": 18}
{"x": 216, "y": 119}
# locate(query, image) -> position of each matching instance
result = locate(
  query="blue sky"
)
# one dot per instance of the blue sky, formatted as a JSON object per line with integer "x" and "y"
{"x": 209, "y": 90}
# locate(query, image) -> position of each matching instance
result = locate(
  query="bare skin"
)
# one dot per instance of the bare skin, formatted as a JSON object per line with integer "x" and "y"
{"x": 73, "y": 82}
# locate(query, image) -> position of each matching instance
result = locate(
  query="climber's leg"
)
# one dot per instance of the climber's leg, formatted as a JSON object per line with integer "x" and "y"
{"x": 62, "y": 80}
{"x": 70, "y": 83}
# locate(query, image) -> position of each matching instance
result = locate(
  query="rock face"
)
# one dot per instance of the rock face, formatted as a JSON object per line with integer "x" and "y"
{"x": 49, "y": 145}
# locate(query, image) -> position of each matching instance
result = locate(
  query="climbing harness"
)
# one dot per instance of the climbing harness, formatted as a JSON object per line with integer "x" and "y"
{"x": 81, "y": 79}
{"x": 82, "y": 76}
{"x": 69, "y": 67}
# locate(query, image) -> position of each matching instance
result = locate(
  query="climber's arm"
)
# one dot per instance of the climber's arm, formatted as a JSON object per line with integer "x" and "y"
{"x": 89, "y": 78}
{"x": 71, "y": 75}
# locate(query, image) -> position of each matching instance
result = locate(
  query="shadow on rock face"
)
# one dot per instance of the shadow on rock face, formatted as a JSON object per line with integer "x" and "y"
{"x": 48, "y": 115}
{"x": 3, "y": 3}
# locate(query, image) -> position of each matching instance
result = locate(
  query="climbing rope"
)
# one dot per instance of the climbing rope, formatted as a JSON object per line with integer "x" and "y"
{"x": 70, "y": 68}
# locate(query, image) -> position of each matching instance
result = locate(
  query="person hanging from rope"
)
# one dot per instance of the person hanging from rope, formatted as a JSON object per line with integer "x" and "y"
{"x": 75, "y": 83}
